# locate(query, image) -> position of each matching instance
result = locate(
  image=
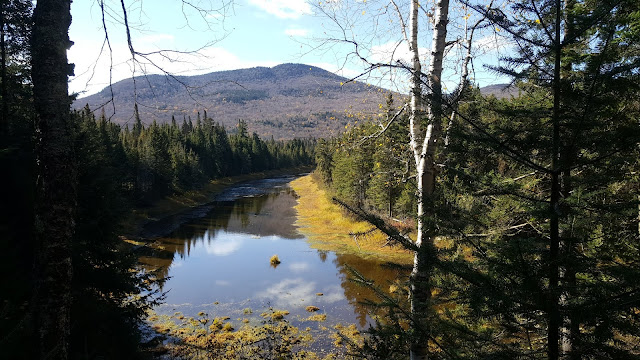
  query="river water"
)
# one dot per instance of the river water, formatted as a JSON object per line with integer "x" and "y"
{"x": 219, "y": 263}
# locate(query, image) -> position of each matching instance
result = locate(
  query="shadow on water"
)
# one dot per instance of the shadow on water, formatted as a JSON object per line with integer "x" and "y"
{"x": 219, "y": 263}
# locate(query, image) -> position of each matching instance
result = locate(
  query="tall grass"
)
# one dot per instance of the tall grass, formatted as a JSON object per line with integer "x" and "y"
{"x": 328, "y": 226}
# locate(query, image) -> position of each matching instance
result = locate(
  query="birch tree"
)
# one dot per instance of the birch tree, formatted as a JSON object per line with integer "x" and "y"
{"x": 424, "y": 150}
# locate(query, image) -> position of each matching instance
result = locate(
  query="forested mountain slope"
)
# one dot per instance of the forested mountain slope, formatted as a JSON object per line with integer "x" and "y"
{"x": 286, "y": 101}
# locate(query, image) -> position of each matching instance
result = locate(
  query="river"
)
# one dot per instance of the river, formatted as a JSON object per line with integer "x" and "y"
{"x": 218, "y": 262}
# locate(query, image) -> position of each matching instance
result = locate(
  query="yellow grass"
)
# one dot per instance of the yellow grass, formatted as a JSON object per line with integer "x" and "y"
{"x": 327, "y": 226}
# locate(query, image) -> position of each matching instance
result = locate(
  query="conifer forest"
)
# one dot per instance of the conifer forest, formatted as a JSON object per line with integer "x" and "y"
{"x": 460, "y": 224}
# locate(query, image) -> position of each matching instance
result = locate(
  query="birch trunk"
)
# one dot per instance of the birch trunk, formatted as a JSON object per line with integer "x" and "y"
{"x": 56, "y": 190}
{"x": 424, "y": 156}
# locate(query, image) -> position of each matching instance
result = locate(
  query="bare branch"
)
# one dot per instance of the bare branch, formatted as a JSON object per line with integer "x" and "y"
{"x": 383, "y": 127}
{"x": 380, "y": 224}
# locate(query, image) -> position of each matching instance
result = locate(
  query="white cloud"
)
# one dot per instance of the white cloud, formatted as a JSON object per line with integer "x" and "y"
{"x": 222, "y": 246}
{"x": 284, "y": 9}
{"x": 92, "y": 76}
{"x": 297, "y": 32}
{"x": 290, "y": 292}
{"x": 299, "y": 267}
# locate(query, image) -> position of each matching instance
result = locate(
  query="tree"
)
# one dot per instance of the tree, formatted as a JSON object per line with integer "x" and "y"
{"x": 15, "y": 31}
{"x": 56, "y": 187}
{"x": 561, "y": 201}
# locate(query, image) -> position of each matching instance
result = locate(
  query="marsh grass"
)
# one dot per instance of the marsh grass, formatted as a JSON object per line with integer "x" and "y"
{"x": 317, "y": 317}
{"x": 327, "y": 226}
{"x": 205, "y": 338}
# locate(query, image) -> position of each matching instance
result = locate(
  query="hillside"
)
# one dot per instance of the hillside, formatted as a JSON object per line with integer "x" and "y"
{"x": 286, "y": 101}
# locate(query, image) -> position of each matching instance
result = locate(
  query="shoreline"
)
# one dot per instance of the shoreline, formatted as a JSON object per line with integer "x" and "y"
{"x": 190, "y": 201}
{"x": 328, "y": 228}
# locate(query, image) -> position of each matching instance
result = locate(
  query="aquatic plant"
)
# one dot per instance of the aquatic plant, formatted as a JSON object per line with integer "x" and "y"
{"x": 275, "y": 261}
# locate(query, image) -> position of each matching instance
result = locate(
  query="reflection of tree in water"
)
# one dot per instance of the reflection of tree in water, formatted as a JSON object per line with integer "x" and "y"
{"x": 322, "y": 255}
{"x": 264, "y": 215}
{"x": 373, "y": 270}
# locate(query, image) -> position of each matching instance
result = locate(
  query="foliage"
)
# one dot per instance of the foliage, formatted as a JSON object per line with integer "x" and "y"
{"x": 168, "y": 158}
{"x": 369, "y": 169}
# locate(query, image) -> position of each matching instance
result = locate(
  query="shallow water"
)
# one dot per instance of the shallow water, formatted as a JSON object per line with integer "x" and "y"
{"x": 220, "y": 264}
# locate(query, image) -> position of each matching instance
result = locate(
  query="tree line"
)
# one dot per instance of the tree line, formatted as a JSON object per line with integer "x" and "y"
{"x": 161, "y": 159}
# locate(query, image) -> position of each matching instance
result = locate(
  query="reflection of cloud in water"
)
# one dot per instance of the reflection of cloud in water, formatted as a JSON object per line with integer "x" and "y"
{"x": 299, "y": 267}
{"x": 177, "y": 264}
{"x": 289, "y": 292}
{"x": 333, "y": 294}
{"x": 222, "y": 246}
{"x": 222, "y": 283}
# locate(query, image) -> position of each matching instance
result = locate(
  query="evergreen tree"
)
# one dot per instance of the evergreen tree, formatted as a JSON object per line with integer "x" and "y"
{"x": 556, "y": 213}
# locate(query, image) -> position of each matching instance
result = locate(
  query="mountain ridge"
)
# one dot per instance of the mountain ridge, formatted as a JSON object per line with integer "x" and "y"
{"x": 285, "y": 101}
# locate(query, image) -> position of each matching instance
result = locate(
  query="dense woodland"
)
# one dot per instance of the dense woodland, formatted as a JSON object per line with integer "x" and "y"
{"x": 527, "y": 213}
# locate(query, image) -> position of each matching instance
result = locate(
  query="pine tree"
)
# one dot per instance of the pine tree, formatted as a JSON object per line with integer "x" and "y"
{"x": 555, "y": 204}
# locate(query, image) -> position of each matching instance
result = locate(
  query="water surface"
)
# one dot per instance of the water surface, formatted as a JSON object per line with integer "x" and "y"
{"x": 220, "y": 264}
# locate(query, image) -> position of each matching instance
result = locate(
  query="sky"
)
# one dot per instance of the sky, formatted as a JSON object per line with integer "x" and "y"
{"x": 187, "y": 37}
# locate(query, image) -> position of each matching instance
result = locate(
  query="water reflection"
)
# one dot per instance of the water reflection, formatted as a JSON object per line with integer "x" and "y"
{"x": 220, "y": 264}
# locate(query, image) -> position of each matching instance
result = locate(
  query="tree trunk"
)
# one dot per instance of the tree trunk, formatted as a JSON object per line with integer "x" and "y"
{"x": 553, "y": 313}
{"x": 56, "y": 180}
{"x": 4, "y": 123}
{"x": 424, "y": 155}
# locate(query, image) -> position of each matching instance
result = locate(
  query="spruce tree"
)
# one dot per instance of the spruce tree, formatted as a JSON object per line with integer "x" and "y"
{"x": 553, "y": 218}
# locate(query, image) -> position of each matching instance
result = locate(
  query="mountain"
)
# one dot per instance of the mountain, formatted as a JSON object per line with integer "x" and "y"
{"x": 286, "y": 101}
{"x": 500, "y": 91}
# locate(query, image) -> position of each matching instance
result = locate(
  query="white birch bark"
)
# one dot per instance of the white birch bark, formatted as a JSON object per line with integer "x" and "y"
{"x": 424, "y": 147}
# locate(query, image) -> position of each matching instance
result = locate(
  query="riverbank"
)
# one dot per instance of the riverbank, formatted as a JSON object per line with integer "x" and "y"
{"x": 327, "y": 226}
{"x": 183, "y": 202}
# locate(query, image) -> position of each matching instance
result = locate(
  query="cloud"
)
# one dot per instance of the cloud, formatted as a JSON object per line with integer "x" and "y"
{"x": 284, "y": 9}
{"x": 222, "y": 246}
{"x": 297, "y": 32}
{"x": 290, "y": 292}
{"x": 299, "y": 267}
{"x": 92, "y": 72}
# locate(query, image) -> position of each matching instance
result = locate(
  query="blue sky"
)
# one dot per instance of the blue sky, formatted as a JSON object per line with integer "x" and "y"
{"x": 245, "y": 33}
